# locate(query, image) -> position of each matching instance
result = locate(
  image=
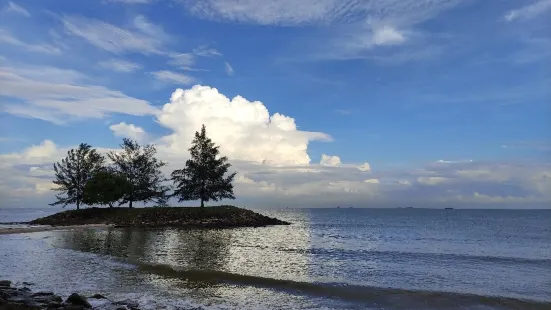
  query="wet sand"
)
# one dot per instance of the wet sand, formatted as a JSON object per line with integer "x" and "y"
{"x": 23, "y": 230}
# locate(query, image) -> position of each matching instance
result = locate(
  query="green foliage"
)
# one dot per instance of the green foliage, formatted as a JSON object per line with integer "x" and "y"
{"x": 106, "y": 187}
{"x": 141, "y": 170}
{"x": 73, "y": 173}
{"x": 203, "y": 176}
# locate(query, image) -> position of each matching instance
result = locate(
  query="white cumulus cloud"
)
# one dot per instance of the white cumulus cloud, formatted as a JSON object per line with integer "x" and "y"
{"x": 387, "y": 35}
{"x": 365, "y": 167}
{"x": 128, "y": 131}
{"x": 332, "y": 161}
{"x": 244, "y": 129}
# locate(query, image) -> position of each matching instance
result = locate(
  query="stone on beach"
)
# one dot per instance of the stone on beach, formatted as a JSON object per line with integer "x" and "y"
{"x": 78, "y": 300}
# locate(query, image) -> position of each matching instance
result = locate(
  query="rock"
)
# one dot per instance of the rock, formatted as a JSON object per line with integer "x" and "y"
{"x": 77, "y": 300}
{"x": 24, "y": 289}
{"x": 37, "y": 294}
{"x": 28, "y": 283}
{"x": 73, "y": 307}
{"x": 5, "y": 283}
{"x": 54, "y": 305}
{"x": 4, "y": 295}
{"x": 130, "y": 304}
{"x": 98, "y": 296}
{"x": 48, "y": 299}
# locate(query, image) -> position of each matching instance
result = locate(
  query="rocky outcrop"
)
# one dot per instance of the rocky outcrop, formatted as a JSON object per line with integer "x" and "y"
{"x": 14, "y": 298}
{"x": 208, "y": 217}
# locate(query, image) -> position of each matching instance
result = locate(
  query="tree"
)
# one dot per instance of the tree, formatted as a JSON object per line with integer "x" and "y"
{"x": 105, "y": 188}
{"x": 138, "y": 165}
{"x": 74, "y": 171}
{"x": 203, "y": 176}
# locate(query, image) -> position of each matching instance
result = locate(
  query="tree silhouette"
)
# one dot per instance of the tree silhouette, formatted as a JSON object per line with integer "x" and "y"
{"x": 203, "y": 176}
{"x": 106, "y": 187}
{"x": 141, "y": 170}
{"x": 73, "y": 173}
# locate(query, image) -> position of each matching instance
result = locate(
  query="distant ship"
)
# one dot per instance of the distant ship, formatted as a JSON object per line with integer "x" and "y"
{"x": 448, "y": 208}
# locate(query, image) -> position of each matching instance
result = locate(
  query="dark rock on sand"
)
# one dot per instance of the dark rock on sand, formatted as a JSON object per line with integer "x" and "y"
{"x": 98, "y": 296}
{"x": 42, "y": 294}
{"x": 12, "y": 298}
{"x": 5, "y": 283}
{"x": 54, "y": 305}
{"x": 76, "y": 299}
{"x": 129, "y": 304}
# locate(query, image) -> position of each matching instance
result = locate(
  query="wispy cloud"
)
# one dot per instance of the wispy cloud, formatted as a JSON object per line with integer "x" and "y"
{"x": 14, "y": 8}
{"x": 316, "y": 12}
{"x": 60, "y": 95}
{"x": 205, "y": 51}
{"x": 529, "y": 11}
{"x": 343, "y": 112}
{"x": 182, "y": 60}
{"x": 146, "y": 39}
{"x": 229, "y": 69}
{"x": 536, "y": 145}
{"x": 172, "y": 77}
{"x": 133, "y": 1}
{"x": 148, "y": 28}
{"x": 120, "y": 65}
{"x": 8, "y": 38}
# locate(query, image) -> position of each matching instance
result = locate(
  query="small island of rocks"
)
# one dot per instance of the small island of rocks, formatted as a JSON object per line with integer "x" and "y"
{"x": 161, "y": 217}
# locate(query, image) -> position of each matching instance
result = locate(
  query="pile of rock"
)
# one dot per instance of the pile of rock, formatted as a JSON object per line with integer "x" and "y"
{"x": 13, "y": 298}
{"x": 176, "y": 217}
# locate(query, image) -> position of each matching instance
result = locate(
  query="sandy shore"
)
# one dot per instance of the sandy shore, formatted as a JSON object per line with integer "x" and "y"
{"x": 22, "y": 230}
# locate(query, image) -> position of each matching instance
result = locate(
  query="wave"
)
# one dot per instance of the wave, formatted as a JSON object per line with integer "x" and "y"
{"x": 377, "y": 297}
{"x": 364, "y": 254}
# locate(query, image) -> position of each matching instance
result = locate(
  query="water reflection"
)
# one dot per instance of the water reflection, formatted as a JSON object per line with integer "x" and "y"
{"x": 271, "y": 252}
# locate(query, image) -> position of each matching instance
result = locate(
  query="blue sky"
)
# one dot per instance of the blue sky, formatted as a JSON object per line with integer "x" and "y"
{"x": 447, "y": 101}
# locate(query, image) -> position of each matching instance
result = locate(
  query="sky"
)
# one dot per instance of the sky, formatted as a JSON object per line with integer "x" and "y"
{"x": 317, "y": 103}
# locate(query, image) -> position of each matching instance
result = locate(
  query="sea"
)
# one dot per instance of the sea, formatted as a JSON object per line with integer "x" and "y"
{"x": 327, "y": 259}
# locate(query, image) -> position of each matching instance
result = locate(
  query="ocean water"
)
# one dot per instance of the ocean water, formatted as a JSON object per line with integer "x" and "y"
{"x": 328, "y": 259}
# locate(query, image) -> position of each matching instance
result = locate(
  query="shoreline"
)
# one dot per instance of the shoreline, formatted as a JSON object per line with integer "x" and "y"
{"x": 24, "y": 230}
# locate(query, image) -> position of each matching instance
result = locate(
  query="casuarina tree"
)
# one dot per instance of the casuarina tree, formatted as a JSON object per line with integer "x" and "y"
{"x": 141, "y": 169}
{"x": 203, "y": 177}
{"x": 106, "y": 187}
{"x": 73, "y": 173}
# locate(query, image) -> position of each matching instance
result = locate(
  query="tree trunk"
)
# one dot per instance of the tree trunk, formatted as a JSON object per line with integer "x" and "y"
{"x": 130, "y": 204}
{"x": 78, "y": 204}
{"x": 202, "y": 203}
